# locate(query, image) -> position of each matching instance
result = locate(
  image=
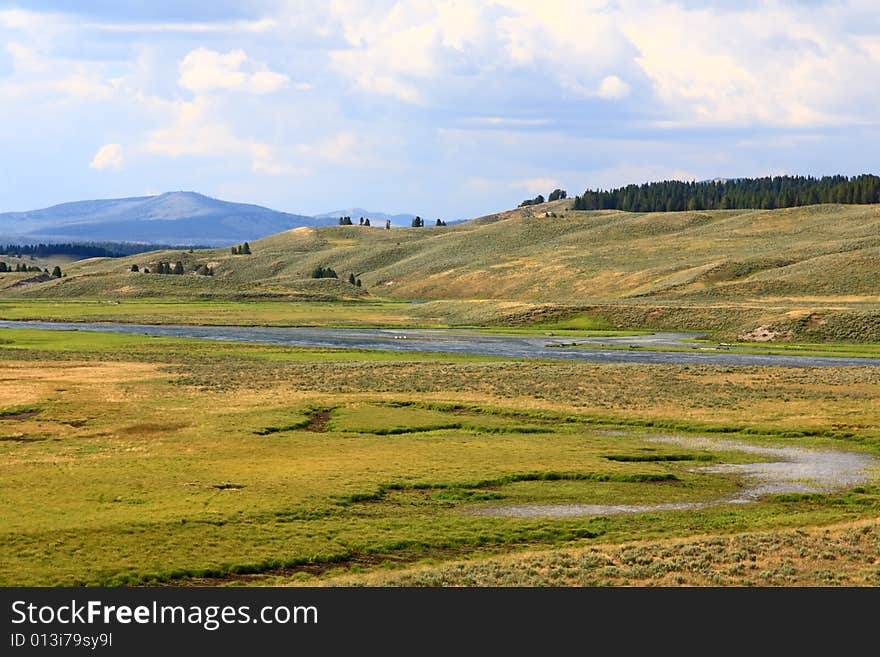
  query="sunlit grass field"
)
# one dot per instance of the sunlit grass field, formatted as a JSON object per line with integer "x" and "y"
{"x": 136, "y": 460}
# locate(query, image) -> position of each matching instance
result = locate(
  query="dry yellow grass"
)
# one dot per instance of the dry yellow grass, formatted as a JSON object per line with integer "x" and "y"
{"x": 844, "y": 554}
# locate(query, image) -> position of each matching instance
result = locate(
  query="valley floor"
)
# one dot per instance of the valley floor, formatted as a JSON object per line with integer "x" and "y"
{"x": 128, "y": 459}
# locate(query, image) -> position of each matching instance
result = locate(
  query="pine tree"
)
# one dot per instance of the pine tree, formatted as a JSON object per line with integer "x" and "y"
{"x": 56, "y": 272}
{"x": 134, "y": 268}
{"x": 246, "y": 248}
{"x": 351, "y": 279}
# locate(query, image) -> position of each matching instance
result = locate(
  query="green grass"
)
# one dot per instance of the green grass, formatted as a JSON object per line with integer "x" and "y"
{"x": 846, "y": 350}
{"x": 213, "y": 313}
{"x": 134, "y": 461}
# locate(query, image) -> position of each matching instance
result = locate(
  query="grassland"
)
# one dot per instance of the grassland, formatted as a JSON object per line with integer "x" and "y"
{"x": 807, "y": 274}
{"x": 128, "y": 460}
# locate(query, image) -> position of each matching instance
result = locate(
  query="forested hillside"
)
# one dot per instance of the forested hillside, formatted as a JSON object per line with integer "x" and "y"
{"x": 736, "y": 194}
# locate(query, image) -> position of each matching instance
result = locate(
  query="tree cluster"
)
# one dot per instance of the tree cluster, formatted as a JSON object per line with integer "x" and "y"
{"x": 241, "y": 249}
{"x": 167, "y": 268}
{"x": 555, "y": 195}
{"x": 20, "y": 267}
{"x": 418, "y": 222}
{"x": 532, "y": 201}
{"x": 83, "y": 249}
{"x": 346, "y": 221}
{"x": 740, "y": 193}
{"x": 353, "y": 280}
{"x": 324, "y": 272}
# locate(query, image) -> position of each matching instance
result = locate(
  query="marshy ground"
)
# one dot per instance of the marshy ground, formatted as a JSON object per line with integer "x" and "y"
{"x": 129, "y": 459}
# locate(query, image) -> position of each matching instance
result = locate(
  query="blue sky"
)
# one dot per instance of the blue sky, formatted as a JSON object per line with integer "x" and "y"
{"x": 445, "y": 108}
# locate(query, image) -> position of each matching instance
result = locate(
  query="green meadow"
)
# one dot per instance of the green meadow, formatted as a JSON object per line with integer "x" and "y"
{"x": 129, "y": 460}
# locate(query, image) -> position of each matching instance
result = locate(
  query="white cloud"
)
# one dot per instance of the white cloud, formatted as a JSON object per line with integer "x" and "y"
{"x": 194, "y": 131}
{"x": 612, "y": 88}
{"x": 260, "y": 25}
{"x": 504, "y": 122}
{"x": 776, "y": 64}
{"x": 537, "y": 185}
{"x": 109, "y": 156}
{"x": 204, "y": 70}
{"x": 38, "y": 76}
{"x": 197, "y": 129}
{"x": 266, "y": 161}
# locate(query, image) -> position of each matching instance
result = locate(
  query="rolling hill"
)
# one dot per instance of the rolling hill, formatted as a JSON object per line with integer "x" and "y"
{"x": 799, "y": 269}
{"x": 170, "y": 218}
{"x": 376, "y": 218}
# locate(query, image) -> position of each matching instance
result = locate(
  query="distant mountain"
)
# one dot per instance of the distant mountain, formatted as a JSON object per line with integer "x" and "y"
{"x": 170, "y": 218}
{"x": 376, "y": 218}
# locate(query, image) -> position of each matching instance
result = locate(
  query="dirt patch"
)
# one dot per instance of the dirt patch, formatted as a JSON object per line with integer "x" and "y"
{"x": 19, "y": 415}
{"x": 765, "y": 333}
{"x": 150, "y": 428}
{"x": 318, "y": 421}
{"x": 42, "y": 278}
{"x": 814, "y": 321}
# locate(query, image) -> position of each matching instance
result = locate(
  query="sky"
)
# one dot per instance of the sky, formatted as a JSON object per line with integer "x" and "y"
{"x": 445, "y": 108}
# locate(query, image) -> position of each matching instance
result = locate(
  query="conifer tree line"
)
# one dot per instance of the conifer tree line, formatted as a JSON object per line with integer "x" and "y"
{"x": 21, "y": 267}
{"x": 85, "y": 249}
{"x": 324, "y": 272}
{"x": 166, "y": 268}
{"x": 241, "y": 249}
{"x": 741, "y": 193}
{"x": 346, "y": 221}
{"x": 176, "y": 269}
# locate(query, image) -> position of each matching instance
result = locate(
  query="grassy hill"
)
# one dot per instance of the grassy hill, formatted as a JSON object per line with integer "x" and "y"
{"x": 796, "y": 270}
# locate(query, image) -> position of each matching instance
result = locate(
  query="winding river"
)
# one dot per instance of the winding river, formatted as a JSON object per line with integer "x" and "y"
{"x": 461, "y": 341}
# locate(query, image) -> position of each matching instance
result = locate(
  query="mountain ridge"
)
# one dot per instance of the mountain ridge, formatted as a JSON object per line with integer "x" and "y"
{"x": 177, "y": 217}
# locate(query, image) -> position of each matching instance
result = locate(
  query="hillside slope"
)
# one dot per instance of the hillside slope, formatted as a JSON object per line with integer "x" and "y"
{"x": 550, "y": 254}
